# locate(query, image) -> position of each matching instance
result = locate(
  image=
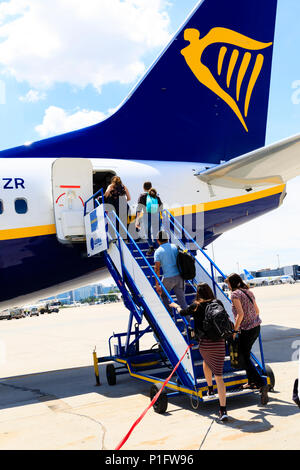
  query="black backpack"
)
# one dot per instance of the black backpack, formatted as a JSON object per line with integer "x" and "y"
{"x": 217, "y": 324}
{"x": 186, "y": 265}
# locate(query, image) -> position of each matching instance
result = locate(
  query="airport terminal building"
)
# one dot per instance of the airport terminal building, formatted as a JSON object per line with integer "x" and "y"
{"x": 293, "y": 271}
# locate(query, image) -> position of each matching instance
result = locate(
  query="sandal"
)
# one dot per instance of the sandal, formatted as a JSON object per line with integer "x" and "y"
{"x": 250, "y": 386}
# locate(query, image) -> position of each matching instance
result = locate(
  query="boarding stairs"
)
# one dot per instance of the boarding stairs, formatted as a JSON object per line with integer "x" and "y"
{"x": 133, "y": 271}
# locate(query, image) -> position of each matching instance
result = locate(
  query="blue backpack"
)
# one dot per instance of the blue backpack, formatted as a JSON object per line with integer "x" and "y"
{"x": 151, "y": 205}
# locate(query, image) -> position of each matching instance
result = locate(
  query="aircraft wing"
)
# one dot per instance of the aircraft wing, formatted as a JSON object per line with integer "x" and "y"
{"x": 273, "y": 164}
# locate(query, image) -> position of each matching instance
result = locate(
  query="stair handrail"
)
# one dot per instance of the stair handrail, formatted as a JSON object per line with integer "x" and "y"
{"x": 153, "y": 273}
{"x": 175, "y": 221}
{"x": 188, "y": 339}
{"x": 95, "y": 200}
{"x": 94, "y": 196}
{"x": 167, "y": 213}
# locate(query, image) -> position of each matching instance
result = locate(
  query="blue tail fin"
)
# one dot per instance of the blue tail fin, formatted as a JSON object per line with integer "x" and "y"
{"x": 204, "y": 100}
{"x": 248, "y": 275}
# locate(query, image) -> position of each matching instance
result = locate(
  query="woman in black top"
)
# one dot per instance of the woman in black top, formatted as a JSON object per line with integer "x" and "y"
{"x": 117, "y": 195}
{"x": 213, "y": 352}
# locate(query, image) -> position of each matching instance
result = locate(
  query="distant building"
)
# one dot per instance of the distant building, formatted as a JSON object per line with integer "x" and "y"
{"x": 293, "y": 270}
{"x": 85, "y": 292}
{"x": 77, "y": 295}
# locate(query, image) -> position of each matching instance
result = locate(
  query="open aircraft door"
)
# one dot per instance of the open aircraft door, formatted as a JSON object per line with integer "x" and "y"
{"x": 72, "y": 184}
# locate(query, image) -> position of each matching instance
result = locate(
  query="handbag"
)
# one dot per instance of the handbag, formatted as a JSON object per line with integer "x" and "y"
{"x": 236, "y": 358}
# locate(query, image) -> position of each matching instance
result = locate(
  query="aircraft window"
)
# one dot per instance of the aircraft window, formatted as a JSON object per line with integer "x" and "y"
{"x": 1, "y": 207}
{"x": 21, "y": 206}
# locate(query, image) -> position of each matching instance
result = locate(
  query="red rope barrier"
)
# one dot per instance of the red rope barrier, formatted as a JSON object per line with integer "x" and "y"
{"x": 151, "y": 404}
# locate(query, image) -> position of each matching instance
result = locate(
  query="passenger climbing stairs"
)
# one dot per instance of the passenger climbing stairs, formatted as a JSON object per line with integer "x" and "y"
{"x": 133, "y": 271}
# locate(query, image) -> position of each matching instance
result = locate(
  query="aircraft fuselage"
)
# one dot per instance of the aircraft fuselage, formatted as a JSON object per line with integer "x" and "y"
{"x": 35, "y": 264}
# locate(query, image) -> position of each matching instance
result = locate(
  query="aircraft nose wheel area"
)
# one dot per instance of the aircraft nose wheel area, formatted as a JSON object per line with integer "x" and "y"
{"x": 131, "y": 266}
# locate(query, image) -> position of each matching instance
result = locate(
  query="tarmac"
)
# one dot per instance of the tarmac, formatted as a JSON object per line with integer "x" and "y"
{"x": 49, "y": 399}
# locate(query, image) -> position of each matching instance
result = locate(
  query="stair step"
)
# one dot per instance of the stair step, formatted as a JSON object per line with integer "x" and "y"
{"x": 138, "y": 253}
{"x": 229, "y": 375}
{"x": 229, "y": 394}
{"x": 150, "y": 259}
{"x": 143, "y": 249}
{"x": 189, "y": 289}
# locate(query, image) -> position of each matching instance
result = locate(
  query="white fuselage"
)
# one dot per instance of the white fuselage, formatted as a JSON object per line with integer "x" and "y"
{"x": 175, "y": 182}
{"x": 31, "y": 179}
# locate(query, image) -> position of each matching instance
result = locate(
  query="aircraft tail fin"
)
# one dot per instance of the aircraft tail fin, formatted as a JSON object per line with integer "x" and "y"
{"x": 248, "y": 275}
{"x": 204, "y": 100}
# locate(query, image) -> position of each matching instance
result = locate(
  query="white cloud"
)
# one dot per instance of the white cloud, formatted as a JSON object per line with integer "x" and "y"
{"x": 33, "y": 96}
{"x": 58, "y": 121}
{"x": 91, "y": 42}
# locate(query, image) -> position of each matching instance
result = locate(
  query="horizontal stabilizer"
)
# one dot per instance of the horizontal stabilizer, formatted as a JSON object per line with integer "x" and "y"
{"x": 274, "y": 164}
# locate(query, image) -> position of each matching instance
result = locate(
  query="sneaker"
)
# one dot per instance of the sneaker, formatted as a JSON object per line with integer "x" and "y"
{"x": 223, "y": 416}
{"x": 264, "y": 398}
{"x": 150, "y": 251}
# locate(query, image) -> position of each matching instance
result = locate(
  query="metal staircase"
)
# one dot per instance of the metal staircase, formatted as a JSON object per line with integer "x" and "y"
{"x": 132, "y": 270}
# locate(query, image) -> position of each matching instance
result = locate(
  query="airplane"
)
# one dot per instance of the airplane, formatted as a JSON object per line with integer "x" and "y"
{"x": 194, "y": 125}
{"x": 269, "y": 280}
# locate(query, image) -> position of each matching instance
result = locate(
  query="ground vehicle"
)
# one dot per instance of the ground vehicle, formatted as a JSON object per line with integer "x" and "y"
{"x": 16, "y": 313}
{"x": 34, "y": 311}
{"x": 48, "y": 307}
{"x": 5, "y": 314}
{"x": 52, "y": 307}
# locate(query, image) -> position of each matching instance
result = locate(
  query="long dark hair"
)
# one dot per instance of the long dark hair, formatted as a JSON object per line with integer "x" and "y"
{"x": 118, "y": 188}
{"x": 204, "y": 292}
{"x": 153, "y": 193}
{"x": 236, "y": 282}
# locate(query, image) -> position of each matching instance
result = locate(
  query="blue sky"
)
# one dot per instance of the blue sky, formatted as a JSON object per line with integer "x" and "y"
{"x": 20, "y": 116}
{"x": 53, "y": 83}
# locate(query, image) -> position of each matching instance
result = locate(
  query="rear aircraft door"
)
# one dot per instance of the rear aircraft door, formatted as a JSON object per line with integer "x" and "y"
{"x": 72, "y": 185}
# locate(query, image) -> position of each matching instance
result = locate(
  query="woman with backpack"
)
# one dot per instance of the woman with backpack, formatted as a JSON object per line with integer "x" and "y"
{"x": 117, "y": 195}
{"x": 151, "y": 207}
{"x": 247, "y": 324}
{"x": 212, "y": 351}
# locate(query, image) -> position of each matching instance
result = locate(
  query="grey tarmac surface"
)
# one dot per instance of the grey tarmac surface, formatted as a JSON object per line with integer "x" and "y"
{"x": 48, "y": 397}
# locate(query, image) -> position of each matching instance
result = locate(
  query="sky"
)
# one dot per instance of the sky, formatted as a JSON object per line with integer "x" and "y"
{"x": 66, "y": 64}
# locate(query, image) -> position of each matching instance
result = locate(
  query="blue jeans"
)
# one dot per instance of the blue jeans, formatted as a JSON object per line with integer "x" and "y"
{"x": 152, "y": 225}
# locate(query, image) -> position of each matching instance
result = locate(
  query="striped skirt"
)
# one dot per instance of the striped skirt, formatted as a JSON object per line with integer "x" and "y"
{"x": 213, "y": 353}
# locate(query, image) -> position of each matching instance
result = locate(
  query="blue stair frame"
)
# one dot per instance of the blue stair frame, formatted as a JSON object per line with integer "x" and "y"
{"x": 133, "y": 272}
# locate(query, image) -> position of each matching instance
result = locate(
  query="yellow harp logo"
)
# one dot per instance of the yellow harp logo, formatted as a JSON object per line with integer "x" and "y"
{"x": 193, "y": 55}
